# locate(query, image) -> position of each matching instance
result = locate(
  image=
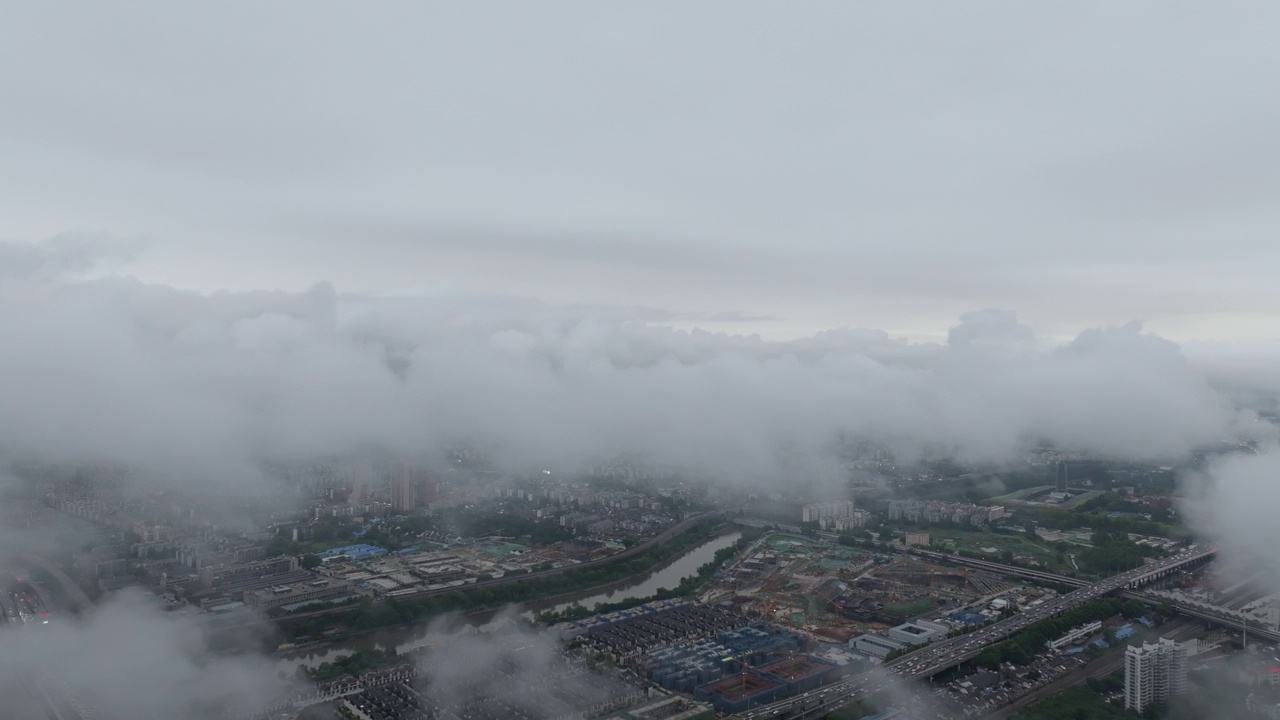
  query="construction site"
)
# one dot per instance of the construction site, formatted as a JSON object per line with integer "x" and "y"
{"x": 835, "y": 592}
{"x": 788, "y": 614}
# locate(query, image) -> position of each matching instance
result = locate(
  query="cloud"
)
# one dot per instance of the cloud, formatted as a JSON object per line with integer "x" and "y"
{"x": 838, "y": 161}
{"x": 518, "y": 670}
{"x": 204, "y": 387}
{"x": 128, "y": 659}
{"x": 70, "y": 253}
{"x": 1233, "y": 503}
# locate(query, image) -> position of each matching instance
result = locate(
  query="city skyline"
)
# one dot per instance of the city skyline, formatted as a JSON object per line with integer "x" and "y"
{"x": 582, "y": 361}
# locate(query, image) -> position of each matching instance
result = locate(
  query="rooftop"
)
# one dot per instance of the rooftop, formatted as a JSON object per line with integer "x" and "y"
{"x": 796, "y": 668}
{"x": 740, "y": 686}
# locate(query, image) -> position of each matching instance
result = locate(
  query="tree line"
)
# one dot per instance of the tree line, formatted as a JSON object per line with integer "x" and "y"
{"x": 1022, "y": 647}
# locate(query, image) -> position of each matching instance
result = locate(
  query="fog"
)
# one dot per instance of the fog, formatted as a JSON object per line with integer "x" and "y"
{"x": 517, "y": 669}
{"x": 1234, "y": 502}
{"x": 202, "y": 388}
{"x": 126, "y": 660}
{"x": 550, "y": 231}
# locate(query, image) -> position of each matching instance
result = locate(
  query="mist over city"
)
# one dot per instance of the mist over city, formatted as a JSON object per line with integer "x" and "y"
{"x": 569, "y": 361}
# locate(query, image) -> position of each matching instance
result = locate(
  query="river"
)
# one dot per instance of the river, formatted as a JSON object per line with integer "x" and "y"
{"x": 406, "y": 639}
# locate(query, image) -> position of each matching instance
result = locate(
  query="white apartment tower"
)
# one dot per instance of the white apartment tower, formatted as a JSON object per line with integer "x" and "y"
{"x": 404, "y": 496}
{"x": 1153, "y": 673}
{"x": 818, "y": 512}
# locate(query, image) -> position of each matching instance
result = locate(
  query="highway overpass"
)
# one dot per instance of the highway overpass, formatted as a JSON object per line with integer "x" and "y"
{"x": 933, "y": 659}
{"x": 1202, "y": 611}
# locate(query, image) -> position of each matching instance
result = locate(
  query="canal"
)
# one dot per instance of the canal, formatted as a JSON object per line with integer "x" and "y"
{"x": 407, "y": 639}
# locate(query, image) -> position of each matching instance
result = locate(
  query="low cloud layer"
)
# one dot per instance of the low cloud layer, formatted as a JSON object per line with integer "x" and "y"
{"x": 128, "y": 660}
{"x": 519, "y": 670}
{"x": 205, "y": 386}
{"x": 1233, "y": 502}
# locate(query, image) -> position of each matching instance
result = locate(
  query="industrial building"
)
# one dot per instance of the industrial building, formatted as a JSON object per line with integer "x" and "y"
{"x": 1075, "y": 634}
{"x": 213, "y": 577}
{"x": 875, "y": 645}
{"x": 324, "y": 589}
{"x": 920, "y": 632}
{"x": 351, "y": 552}
{"x": 683, "y": 666}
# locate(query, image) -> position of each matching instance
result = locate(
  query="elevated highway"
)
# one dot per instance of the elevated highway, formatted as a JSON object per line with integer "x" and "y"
{"x": 1202, "y": 611}
{"x": 933, "y": 659}
{"x": 72, "y": 590}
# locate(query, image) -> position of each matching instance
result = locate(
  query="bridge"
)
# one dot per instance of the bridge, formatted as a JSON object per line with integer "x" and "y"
{"x": 1150, "y": 573}
{"x": 933, "y": 659}
{"x": 70, "y": 588}
{"x": 1201, "y": 611}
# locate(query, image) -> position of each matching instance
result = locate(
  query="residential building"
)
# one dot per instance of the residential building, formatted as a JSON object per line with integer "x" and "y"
{"x": 404, "y": 497}
{"x": 1153, "y": 673}
{"x": 912, "y": 539}
{"x": 818, "y": 512}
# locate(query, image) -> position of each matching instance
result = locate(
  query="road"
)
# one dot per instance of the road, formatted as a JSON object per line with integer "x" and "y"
{"x": 1102, "y": 667}
{"x": 75, "y": 594}
{"x": 945, "y": 654}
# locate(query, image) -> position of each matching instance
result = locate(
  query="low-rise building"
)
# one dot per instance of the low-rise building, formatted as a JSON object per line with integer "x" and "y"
{"x": 1074, "y": 634}
{"x": 212, "y": 577}
{"x": 281, "y": 595}
{"x": 918, "y": 633}
{"x": 875, "y": 645}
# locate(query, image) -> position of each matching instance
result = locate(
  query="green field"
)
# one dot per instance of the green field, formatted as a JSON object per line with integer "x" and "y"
{"x": 1026, "y": 495}
{"x": 1073, "y": 703}
{"x": 1024, "y": 548}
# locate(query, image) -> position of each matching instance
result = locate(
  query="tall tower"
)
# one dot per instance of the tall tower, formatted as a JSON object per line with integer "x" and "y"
{"x": 1153, "y": 673}
{"x": 403, "y": 487}
{"x": 1060, "y": 477}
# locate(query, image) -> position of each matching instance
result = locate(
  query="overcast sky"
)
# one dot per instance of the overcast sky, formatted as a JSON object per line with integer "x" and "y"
{"x": 791, "y": 167}
{"x": 483, "y": 214}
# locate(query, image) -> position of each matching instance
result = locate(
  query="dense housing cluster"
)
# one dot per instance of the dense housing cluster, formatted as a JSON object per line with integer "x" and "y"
{"x": 625, "y": 634}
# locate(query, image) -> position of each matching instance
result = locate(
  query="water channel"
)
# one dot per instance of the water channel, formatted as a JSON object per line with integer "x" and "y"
{"x": 407, "y": 639}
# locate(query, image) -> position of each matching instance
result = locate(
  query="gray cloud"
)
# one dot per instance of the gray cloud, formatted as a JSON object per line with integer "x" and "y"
{"x": 519, "y": 666}
{"x": 67, "y": 254}
{"x": 1233, "y": 502}
{"x": 194, "y": 386}
{"x": 128, "y": 659}
{"x": 841, "y": 164}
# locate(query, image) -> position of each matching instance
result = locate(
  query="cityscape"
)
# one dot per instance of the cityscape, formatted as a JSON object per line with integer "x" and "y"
{"x": 639, "y": 361}
{"x": 362, "y": 581}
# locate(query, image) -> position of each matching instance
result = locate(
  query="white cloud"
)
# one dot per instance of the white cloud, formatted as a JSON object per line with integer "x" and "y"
{"x": 188, "y": 383}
